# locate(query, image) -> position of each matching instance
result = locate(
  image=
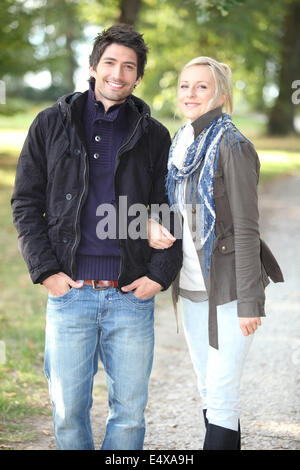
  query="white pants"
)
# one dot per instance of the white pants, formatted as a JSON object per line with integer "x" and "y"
{"x": 218, "y": 370}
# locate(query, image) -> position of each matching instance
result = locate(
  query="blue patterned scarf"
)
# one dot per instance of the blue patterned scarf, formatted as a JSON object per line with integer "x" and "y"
{"x": 203, "y": 151}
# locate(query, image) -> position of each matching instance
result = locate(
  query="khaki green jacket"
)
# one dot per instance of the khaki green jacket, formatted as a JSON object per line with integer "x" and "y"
{"x": 241, "y": 261}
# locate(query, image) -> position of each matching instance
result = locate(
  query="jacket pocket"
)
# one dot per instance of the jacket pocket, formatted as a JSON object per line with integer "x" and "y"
{"x": 52, "y": 228}
{"x": 219, "y": 187}
{"x": 226, "y": 245}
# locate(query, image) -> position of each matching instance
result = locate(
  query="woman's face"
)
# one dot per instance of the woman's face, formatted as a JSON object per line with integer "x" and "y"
{"x": 196, "y": 89}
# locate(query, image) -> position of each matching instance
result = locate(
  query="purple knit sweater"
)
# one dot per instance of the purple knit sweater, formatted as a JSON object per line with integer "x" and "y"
{"x": 104, "y": 132}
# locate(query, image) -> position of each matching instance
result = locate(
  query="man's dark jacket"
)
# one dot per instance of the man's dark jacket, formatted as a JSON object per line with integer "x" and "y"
{"x": 51, "y": 187}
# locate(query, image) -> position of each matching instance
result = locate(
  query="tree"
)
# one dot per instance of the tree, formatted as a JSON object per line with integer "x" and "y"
{"x": 176, "y": 31}
{"x": 16, "y": 21}
{"x": 62, "y": 26}
{"x": 39, "y": 35}
{"x": 129, "y": 11}
{"x": 247, "y": 35}
{"x": 260, "y": 40}
{"x": 281, "y": 120}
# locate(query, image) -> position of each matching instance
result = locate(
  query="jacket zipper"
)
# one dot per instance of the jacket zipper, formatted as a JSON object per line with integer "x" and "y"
{"x": 117, "y": 158}
{"x": 84, "y": 189}
{"x": 126, "y": 143}
{"x": 79, "y": 204}
{"x": 77, "y": 215}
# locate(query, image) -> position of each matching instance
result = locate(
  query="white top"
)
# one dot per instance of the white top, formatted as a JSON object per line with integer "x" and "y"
{"x": 190, "y": 277}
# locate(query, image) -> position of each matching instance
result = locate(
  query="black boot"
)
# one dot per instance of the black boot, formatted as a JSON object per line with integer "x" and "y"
{"x": 205, "y": 418}
{"x": 239, "y": 438}
{"x": 219, "y": 438}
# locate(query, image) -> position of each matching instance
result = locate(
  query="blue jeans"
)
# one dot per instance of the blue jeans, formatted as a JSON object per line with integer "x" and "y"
{"x": 219, "y": 371}
{"x": 81, "y": 325}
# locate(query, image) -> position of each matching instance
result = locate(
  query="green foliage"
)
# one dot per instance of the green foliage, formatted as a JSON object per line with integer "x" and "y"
{"x": 100, "y": 12}
{"x": 23, "y": 389}
{"x": 170, "y": 44}
{"x": 246, "y": 34}
{"x": 46, "y": 33}
{"x": 248, "y": 39}
{"x": 15, "y": 25}
{"x": 206, "y": 7}
{"x": 59, "y": 39}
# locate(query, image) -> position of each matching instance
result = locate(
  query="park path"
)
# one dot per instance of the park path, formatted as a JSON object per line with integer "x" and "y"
{"x": 271, "y": 380}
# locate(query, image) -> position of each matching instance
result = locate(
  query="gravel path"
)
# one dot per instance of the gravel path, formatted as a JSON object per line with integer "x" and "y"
{"x": 271, "y": 381}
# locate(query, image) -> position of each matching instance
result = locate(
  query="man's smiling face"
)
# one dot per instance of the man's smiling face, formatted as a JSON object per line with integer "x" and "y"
{"x": 115, "y": 75}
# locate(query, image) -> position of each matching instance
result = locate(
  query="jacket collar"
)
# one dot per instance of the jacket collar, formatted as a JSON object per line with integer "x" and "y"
{"x": 203, "y": 121}
{"x": 77, "y": 100}
{"x": 95, "y": 108}
{"x": 72, "y": 107}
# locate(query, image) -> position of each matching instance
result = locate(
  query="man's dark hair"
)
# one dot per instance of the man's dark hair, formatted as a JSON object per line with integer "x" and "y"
{"x": 124, "y": 35}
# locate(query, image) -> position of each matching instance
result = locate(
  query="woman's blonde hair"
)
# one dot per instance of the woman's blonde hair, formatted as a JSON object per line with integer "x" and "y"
{"x": 223, "y": 81}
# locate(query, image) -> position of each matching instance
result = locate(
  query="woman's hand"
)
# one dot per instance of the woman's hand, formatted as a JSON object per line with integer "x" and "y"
{"x": 158, "y": 236}
{"x": 249, "y": 325}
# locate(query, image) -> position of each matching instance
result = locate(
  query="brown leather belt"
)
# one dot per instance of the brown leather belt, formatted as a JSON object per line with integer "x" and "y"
{"x": 98, "y": 285}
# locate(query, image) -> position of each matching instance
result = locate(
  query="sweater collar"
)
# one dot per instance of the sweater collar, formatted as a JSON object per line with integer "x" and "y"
{"x": 201, "y": 122}
{"x": 96, "y": 108}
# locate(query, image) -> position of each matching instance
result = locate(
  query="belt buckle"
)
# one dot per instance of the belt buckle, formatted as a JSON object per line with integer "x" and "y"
{"x": 99, "y": 288}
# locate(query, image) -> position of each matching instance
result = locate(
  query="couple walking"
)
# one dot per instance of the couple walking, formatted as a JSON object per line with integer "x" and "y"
{"x": 94, "y": 147}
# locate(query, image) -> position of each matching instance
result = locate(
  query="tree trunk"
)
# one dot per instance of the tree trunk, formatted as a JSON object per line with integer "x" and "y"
{"x": 71, "y": 63}
{"x": 129, "y": 11}
{"x": 281, "y": 119}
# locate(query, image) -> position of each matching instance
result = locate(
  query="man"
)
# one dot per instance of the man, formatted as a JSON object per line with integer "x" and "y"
{"x": 89, "y": 150}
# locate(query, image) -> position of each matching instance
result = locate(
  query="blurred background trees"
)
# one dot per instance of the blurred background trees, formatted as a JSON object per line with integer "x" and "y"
{"x": 44, "y": 53}
{"x": 45, "y": 44}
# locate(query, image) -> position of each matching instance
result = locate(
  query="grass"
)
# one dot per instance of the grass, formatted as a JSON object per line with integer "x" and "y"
{"x": 23, "y": 388}
{"x": 20, "y": 120}
{"x": 276, "y": 164}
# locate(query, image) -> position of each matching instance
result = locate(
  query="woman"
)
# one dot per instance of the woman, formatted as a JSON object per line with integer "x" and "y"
{"x": 212, "y": 179}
